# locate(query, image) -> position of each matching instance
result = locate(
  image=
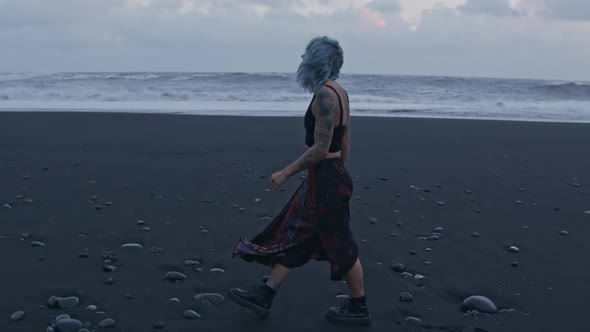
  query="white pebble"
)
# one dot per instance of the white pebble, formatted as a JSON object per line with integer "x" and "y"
{"x": 132, "y": 245}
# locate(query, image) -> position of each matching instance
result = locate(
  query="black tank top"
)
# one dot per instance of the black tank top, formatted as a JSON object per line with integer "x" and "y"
{"x": 337, "y": 135}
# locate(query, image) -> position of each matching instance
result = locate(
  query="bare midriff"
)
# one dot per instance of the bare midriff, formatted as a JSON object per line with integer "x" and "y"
{"x": 330, "y": 155}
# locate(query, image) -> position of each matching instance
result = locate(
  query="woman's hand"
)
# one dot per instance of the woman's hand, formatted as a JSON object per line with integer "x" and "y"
{"x": 278, "y": 178}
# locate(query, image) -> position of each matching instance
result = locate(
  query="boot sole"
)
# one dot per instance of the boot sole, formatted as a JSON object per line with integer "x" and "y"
{"x": 365, "y": 321}
{"x": 258, "y": 310}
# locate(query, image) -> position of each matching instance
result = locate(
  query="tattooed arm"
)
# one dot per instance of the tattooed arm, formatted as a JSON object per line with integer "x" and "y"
{"x": 324, "y": 109}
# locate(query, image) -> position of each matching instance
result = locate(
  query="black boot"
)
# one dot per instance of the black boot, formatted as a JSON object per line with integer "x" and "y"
{"x": 351, "y": 312}
{"x": 257, "y": 298}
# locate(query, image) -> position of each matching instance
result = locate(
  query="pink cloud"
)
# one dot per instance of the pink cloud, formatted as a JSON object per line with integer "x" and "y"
{"x": 373, "y": 17}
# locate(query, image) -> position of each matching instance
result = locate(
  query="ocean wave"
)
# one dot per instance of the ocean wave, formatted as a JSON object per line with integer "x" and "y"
{"x": 390, "y": 111}
{"x": 569, "y": 90}
{"x": 369, "y": 94}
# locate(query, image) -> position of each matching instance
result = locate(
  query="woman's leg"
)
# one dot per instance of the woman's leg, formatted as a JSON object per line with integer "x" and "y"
{"x": 259, "y": 298}
{"x": 354, "y": 280}
{"x": 277, "y": 276}
{"x": 353, "y": 311}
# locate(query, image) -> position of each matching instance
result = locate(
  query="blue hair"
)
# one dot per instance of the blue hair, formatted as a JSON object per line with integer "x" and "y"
{"x": 322, "y": 62}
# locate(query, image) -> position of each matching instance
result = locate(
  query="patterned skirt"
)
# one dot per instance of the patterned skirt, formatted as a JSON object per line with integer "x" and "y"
{"x": 314, "y": 224}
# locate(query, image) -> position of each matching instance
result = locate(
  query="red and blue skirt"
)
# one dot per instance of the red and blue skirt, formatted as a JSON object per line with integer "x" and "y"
{"x": 314, "y": 224}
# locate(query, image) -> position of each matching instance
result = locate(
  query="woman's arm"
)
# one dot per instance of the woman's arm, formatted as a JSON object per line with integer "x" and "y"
{"x": 324, "y": 108}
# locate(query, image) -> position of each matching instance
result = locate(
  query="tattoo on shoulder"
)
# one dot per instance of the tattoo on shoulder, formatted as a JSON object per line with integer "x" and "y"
{"x": 325, "y": 102}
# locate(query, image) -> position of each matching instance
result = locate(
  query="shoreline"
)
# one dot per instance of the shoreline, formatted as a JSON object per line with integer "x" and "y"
{"x": 286, "y": 115}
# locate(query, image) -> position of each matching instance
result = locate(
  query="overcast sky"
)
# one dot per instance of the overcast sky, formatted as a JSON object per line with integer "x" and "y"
{"x": 494, "y": 38}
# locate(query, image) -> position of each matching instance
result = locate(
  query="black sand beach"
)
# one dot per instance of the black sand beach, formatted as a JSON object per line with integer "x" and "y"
{"x": 80, "y": 182}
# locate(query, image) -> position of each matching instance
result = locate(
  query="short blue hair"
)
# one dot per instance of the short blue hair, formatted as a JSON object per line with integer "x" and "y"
{"x": 323, "y": 61}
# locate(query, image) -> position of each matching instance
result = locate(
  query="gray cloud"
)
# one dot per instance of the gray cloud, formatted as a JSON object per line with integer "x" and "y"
{"x": 102, "y": 35}
{"x": 35, "y": 13}
{"x": 489, "y": 7}
{"x": 577, "y": 10}
{"x": 386, "y": 6}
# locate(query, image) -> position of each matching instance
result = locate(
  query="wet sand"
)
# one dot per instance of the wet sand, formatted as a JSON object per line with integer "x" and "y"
{"x": 76, "y": 187}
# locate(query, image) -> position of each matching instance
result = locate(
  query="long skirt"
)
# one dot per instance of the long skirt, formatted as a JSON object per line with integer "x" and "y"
{"x": 314, "y": 224}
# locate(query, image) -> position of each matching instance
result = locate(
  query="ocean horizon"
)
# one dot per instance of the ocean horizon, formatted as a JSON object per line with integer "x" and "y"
{"x": 277, "y": 94}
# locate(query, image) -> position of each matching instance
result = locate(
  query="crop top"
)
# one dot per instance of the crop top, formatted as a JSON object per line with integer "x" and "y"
{"x": 338, "y": 134}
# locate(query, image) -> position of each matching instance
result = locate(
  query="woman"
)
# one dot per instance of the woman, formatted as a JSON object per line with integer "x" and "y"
{"x": 315, "y": 222}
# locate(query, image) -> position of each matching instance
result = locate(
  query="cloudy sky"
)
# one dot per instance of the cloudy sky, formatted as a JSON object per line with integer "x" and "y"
{"x": 494, "y": 38}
